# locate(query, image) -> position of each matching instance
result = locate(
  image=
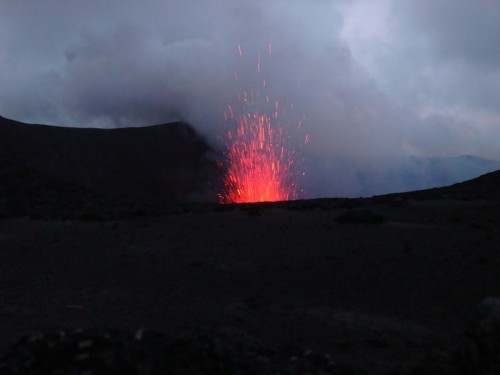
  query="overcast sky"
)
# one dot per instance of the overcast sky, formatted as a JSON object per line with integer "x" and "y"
{"x": 418, "y": 77}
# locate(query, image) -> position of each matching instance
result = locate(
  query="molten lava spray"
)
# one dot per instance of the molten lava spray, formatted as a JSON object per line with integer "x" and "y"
{"x": 259, "y": 156}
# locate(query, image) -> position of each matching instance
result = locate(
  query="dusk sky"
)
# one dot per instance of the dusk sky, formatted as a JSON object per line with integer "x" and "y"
{"x": 412, "y": 77}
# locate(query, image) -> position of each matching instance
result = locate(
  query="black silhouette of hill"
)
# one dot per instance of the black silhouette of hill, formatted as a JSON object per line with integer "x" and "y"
{"x": 159, "y": 164}
{"x": 485, "y": 187}
{"x": 367, "y": 176}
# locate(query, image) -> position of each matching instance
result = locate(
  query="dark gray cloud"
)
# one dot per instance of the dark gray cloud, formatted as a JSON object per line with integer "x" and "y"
{"x": 385, "y": 77}
{"x": 456, "y": 29}
{"x": 455, "y": 44}
{"x": 439, "y": 62}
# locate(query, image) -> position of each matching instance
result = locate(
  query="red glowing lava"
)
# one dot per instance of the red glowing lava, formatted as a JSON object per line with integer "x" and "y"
{"x": 259, "y": 157}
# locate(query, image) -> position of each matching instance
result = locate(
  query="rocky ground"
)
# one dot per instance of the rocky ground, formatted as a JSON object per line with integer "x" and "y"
{"x": 339, "y": 286}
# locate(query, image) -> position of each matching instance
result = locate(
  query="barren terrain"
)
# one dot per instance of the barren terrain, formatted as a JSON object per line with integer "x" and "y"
{"x": 371, "y": 294}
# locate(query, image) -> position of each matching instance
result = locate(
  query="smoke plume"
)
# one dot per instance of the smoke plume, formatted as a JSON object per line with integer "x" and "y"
{"x": 396, "y": 78}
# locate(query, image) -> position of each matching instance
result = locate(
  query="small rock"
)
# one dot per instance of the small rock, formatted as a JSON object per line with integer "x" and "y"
{"x": 360, "y": 217}
{"x": 481, "y": 351}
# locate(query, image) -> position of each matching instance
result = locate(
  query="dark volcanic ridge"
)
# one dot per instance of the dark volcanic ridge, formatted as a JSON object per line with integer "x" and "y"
{"x": 45, "y": 166}
{"x": 100, "y": 174}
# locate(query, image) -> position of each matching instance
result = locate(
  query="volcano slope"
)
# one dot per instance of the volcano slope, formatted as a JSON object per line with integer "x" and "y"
{"x": 159, "y": 164}
{"x": 382, "y": 285}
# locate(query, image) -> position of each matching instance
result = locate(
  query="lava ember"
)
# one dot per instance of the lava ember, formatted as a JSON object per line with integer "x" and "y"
{"x": 259, "y": 156}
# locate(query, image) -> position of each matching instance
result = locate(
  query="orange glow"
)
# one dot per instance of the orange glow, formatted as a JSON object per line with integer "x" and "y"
{"x": 259, "y": 163}
{"x": 259, "y": 157}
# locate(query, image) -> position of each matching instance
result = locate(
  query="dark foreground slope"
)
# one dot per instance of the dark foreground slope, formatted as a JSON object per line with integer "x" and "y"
{"x": 252, "y": 287}
{"x": 157, "y": 164}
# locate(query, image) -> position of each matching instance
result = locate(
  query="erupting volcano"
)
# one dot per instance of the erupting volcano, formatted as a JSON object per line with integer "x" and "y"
{"x": 259, "y": 156}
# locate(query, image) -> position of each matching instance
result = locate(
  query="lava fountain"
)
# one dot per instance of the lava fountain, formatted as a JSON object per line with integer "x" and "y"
{"x": 260, "y": 159}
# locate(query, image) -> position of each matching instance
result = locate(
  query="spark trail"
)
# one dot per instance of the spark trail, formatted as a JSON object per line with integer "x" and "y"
{"x": 259, "y": 157}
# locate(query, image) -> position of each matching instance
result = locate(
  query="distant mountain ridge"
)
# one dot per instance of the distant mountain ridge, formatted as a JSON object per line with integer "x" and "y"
{"x": 351, "y": 177}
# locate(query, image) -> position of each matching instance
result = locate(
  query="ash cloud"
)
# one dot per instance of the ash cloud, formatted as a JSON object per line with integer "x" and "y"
{"x": 396, "y": 78}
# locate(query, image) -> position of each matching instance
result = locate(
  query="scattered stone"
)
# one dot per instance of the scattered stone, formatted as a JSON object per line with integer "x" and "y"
{"x": 360, "y": 217}
{"x": 197, "y": 263}
{"x": 207, "y": 351}
{"x": 480, "y": 353}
